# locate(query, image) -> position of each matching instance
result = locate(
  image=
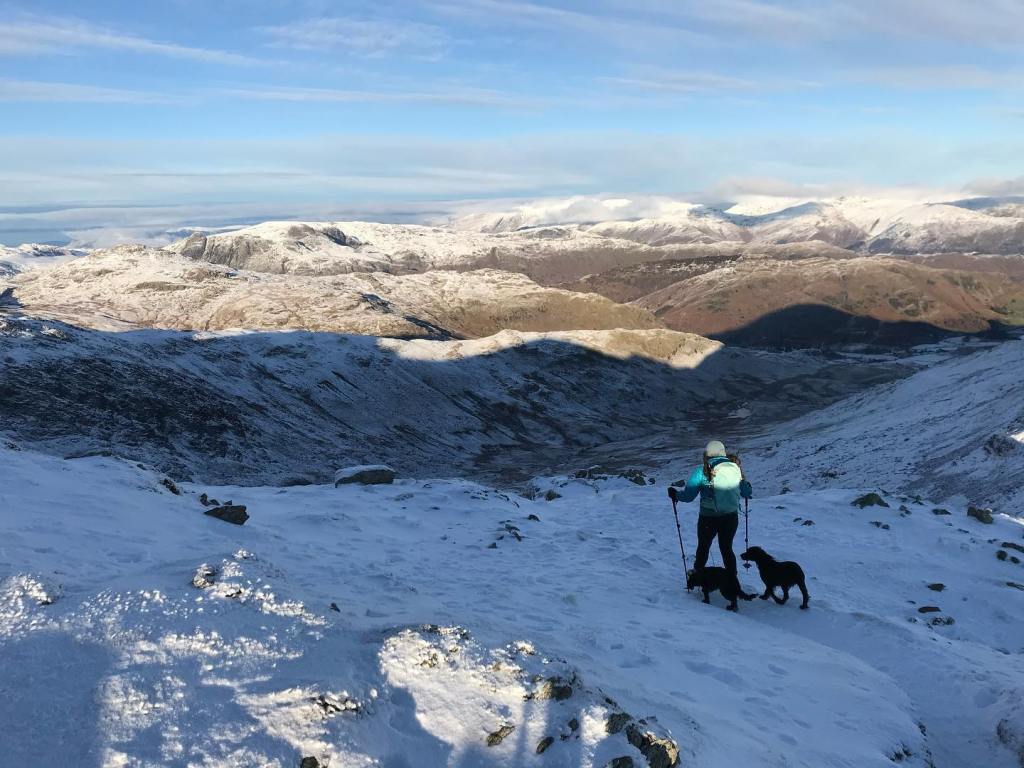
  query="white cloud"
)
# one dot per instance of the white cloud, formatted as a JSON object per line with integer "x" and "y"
{"x": 360, "y": 37}
{"x": 996, "y": 187}
{"x": 941, "y": 77}
{"x": 33, "y": 35}
{"x": 38, "y": 91}
{"x": 453, "y": 95}
{"x": 663, "y": 81}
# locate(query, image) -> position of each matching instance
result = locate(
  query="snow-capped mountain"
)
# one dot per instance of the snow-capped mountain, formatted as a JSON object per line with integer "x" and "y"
{"x": 161, "y": 289}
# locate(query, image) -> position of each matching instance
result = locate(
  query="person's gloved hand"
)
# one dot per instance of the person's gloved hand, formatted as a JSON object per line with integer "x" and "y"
{"x": 672, "y": 493}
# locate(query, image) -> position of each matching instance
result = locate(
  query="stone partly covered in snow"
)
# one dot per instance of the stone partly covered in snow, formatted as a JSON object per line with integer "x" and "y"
{"x": 366, "y": 474}
{"x": 469, "y": 684}
{"x": 332, "y": 705}
{"x": 229, "y": 513}
{"x": 1000, "y": 445}
{"x": 204, "y": 577}
{"x": 496, "y": 737}
{"x": 980, "y": 514}
{"x": 869, "y": 500}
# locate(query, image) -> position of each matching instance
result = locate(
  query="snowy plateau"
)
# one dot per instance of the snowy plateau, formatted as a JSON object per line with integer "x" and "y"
{"x": 351, "y": 494}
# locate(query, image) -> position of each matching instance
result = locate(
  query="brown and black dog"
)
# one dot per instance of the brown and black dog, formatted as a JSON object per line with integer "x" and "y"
{"x": 775, "y": 574}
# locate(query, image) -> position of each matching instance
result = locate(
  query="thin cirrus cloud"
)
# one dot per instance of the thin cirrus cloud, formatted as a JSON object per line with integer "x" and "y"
{"x": 360, "y": 37}
{"x": 32, "y": 36}
{"x": 38, "y": 91}
{"x": 456, "y": 96}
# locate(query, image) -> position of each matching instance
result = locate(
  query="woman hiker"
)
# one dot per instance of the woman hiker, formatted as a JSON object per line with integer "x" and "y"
{"x": 720, "y": 484}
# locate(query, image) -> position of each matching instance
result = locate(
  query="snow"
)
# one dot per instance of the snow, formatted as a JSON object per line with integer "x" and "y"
{"x": 35, "y": 256}
{"x": 132, "y": 665}
{"x": 156, "y": 288}
{"x": 926, "y": 433}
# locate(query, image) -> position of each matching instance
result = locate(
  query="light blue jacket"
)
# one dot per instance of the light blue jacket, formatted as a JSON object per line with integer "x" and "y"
{"x": 720, "y": 500}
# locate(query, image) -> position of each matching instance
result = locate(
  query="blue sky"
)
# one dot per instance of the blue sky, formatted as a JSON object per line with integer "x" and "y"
{"x": 306, "y": 106}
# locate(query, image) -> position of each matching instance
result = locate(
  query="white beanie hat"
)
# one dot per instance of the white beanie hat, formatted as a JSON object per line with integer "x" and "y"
{"x": 714, "y": 448}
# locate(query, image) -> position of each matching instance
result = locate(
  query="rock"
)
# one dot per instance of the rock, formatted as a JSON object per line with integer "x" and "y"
{"x": 929, "y": 609}
{"x": 1001, "y": 554}
{"x": 869, "y": 500}
{"x": 170, "y": 486}
{"x": 942, "y": 621}
{"x": 617, "y": 721}
{"x": 936, "y": 587}
{"x": 980, "y": 514}
{"x": 332, "y": 705}
{"x": 1000, "y": 445}
{"x": 206, "y": 501}
{"x": 544, "y": 743}
{"x": 335, "y": 608}
{"x": 367, "y": 474}
{"x": 660, "y": 752}
{"x": 939, "y": 511}
{"x": 808, "y": 522}
{"x": 534, "y": 518}
{"x": 1015, "y": 585}
{"x": 204, "y": 577}
{"x": 621, "y": 762}
{"x": 498, "y": 736}
{"x": 551, "y": 495}
{"x": 229, "y": 513}
{"x": 309, "y": 762}
{"x": 880, "y": 524}
{"x": 1012, "y": 545}
{"x": 554, "y": 688}
{"x": 493, "y": 545}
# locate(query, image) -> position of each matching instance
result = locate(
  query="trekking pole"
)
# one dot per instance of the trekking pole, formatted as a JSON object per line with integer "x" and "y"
{"x": 746, "y": 529}
{"x": 679, "y": 531}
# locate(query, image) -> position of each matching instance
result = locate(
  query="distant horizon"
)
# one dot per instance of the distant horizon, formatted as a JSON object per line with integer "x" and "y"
{"x": 104, "y": 226}
{"x": 305, "y": 106}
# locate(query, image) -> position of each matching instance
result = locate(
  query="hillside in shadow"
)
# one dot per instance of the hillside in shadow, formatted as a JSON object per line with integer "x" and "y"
{"x": 291, "y": 407}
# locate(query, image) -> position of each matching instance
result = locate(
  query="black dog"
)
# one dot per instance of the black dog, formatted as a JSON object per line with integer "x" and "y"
{"x": 775, "y": 574}
{"x": 712, "y": 579}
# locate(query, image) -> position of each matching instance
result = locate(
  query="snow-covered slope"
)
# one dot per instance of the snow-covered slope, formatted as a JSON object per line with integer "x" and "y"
{"x": 34, "y": 255}
{"x": 938, "y": 228}
{"x": 442, "y": 623}
{"x": 954, "y": 430}
{"x": 290, "y": 407}
{"x": 156, "y": 288}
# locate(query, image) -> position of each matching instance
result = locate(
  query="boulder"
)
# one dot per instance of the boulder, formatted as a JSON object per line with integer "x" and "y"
{"x": 544, "y": 743}
{"x": 498, "y": 736}
{"x": 660, "y": 752}
{"x": 170, "y": 486}
{"x": 229, "y": 513}
{"x": 617, "y": 721}
{"x": 309, "y": 762}
{"x": 367, "y": 474}
{"x": 869, "y": 500}
{"x": 980, "y": 514}
{"x": 621, "y": 762}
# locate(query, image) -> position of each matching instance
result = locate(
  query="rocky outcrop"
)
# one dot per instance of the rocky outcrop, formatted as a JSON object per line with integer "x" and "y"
{"x": 229, "y": 513}
{"x": 367, "y": 474}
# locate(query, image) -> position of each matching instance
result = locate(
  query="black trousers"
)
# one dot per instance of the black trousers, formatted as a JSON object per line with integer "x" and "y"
{"x": 722, "y": 526}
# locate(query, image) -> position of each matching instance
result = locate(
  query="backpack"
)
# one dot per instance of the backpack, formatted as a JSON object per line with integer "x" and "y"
{"x": 726, "y": 477}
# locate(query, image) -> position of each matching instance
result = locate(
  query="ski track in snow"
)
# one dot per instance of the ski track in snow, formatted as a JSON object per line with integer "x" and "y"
{"x": 130, "y": 665}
